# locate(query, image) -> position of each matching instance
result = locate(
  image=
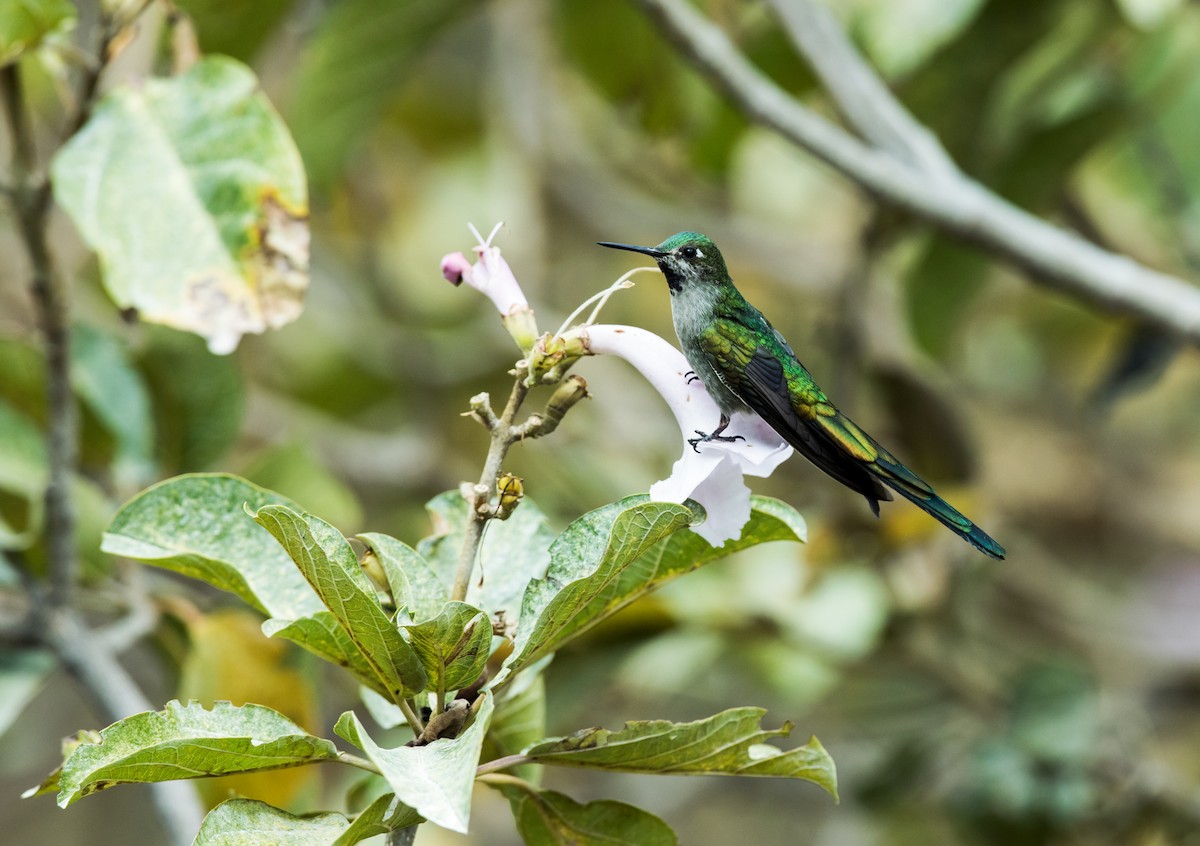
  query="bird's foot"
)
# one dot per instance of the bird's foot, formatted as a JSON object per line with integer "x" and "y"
{"x": 690, "y": 377}
{"x": 712, "y": 436}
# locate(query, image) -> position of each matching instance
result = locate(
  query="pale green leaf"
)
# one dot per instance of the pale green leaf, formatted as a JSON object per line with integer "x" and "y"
{"x": 732, "y": 742}
{"x": 608, "y": 558}
{"x": 192, "y": 193}
{"x": 415, "y": 585}
{"x": 104, "y": 377}
{"x": 24, "y": 24}
{"x": 453, "y": 646}
{"x": 436, "y": 779}
{"x": 187, "y": 741}
{"x": 586, "y": 562}
{"x": 248, "y": 822}
{"x": 513, "y": 552}
{"x": 386, "y": 813}
{"x": 23, "y": 473}
{"x": 22, "y": 674}
{"x": 195, "y": 525}
{"x": 547, "y": 818}
{"x": 329, "y": 564}
{"x": 322, "y": 635}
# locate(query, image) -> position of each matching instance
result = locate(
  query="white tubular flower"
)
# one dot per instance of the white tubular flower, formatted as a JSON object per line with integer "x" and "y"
{"x": 713, "y": 475}
{"x": 491, "y": 276}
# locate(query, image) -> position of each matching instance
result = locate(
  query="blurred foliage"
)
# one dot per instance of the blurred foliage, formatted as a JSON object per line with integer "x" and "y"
{"x": 1048, "y": 700}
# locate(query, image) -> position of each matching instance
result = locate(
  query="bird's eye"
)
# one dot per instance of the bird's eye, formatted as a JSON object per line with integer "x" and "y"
{"x": 689, "y": 252}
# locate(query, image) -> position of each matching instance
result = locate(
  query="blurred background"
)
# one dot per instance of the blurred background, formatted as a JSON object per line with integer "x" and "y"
{"x": 1049, "y": 699}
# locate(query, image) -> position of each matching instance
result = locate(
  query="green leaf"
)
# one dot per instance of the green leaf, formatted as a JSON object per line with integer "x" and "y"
{"x": 415, "y": 585}
{"x": 193, "y": 195}
{"x": 22, "y": 674}
{"x": 195, "y": 525}
{"x": 453, "y": 646}
{"x": 350, "y": 70}
{"x": 187, "y": 741}
{"x": 513, "y": 552}
{"x": 730, "y": 743}
{"x": 547, "y": 818}
{"x": 435, "y": 779}
{"x": 608, "y": 558}
{"x": 23, "y": 474}
{"x": 248, "y": 822}
{"x": 24, "y": 24}
{"x": 325, "y": 558}
{"x": 322, "y": 635}
{"x": 386, "y": 813}
{"x": 104, "y": 377}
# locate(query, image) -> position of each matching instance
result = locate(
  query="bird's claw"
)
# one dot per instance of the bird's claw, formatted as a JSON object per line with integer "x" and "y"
{"x": 689, "y": 378}
{"x": 705, "y": 437}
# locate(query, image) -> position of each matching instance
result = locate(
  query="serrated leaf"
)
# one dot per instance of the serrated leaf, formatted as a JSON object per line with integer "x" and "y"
{"x": 187, "y": 741}
{"x": 436, "y": 779}
{"x": 193, "y": 194}
{"x": 414, "y": 583}
{"x": 730, "y": 743}
{"x": 547, "y": 818}
{"x": 453, "y": 646}
{"x": 385, "y": 814}
{"x": 329, "y": 564}
{"x": 196, "y": 525}
{"x": 601, "y": 563}
{"x": 513, "y": 552}
{"x": 248, "y": 822}
{"x": 322, "y": 635}
{"x": 585, "y": 560}
{"x": 24, "y": 24}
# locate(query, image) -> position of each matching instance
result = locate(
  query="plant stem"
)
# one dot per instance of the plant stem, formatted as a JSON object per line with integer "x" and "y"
{"x": 503, "y": 437}
{"x": 31, "y": 204}
{"x": 502, "y": 764}
{"x": 356, "y": 761}
{"x": 410, "y": 714}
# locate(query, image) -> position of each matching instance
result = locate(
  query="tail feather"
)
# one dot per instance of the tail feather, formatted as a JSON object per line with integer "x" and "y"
{"x": 924, "y": 498}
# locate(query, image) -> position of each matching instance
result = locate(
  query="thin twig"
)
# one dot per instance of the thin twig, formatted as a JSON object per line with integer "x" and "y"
{"x": 356, "y": 761}
{"x": 502, "y": 437}
{"x": 507, "y": 762}
{"x": 951, "y": 201}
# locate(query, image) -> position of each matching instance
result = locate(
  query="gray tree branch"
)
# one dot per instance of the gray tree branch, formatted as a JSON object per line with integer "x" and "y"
{"x": 900, "y": 166}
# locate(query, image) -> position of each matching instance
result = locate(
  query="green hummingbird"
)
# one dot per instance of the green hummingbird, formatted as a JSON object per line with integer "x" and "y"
{"x": 746, "y": 365}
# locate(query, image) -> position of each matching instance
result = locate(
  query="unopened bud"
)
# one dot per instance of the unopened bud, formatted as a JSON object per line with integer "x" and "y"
{"x": 510, "y": 488}
{"x": 564, "y": 397}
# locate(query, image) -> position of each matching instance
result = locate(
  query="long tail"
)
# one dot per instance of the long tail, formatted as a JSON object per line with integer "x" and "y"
{"x": 913, "y": 488}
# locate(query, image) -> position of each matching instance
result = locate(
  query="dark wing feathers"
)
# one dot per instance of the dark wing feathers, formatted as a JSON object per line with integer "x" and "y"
{"x": 805, "y": 418}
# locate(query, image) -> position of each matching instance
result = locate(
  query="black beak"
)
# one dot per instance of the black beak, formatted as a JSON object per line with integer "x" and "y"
{"x": 650, "y": 251}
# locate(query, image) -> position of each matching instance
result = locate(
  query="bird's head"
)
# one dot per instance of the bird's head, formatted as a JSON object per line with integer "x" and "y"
{"x": 685, "y": 259}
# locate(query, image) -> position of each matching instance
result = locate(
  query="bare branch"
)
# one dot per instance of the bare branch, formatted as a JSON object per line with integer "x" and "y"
{"x": 955, "y": 203}
{"x": 116, "y": 695}
{"x": 861, "y": 96}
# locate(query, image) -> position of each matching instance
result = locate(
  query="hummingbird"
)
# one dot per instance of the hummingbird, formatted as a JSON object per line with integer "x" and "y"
{"x": 746, "y": 365}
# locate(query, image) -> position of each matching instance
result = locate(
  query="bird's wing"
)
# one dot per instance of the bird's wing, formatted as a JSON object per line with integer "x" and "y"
{"x": 757, "y": 376}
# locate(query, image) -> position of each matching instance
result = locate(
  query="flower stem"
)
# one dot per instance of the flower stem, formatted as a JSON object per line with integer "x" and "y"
{"x": 480, "y": 509}
{"x": 502, "y": 764}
